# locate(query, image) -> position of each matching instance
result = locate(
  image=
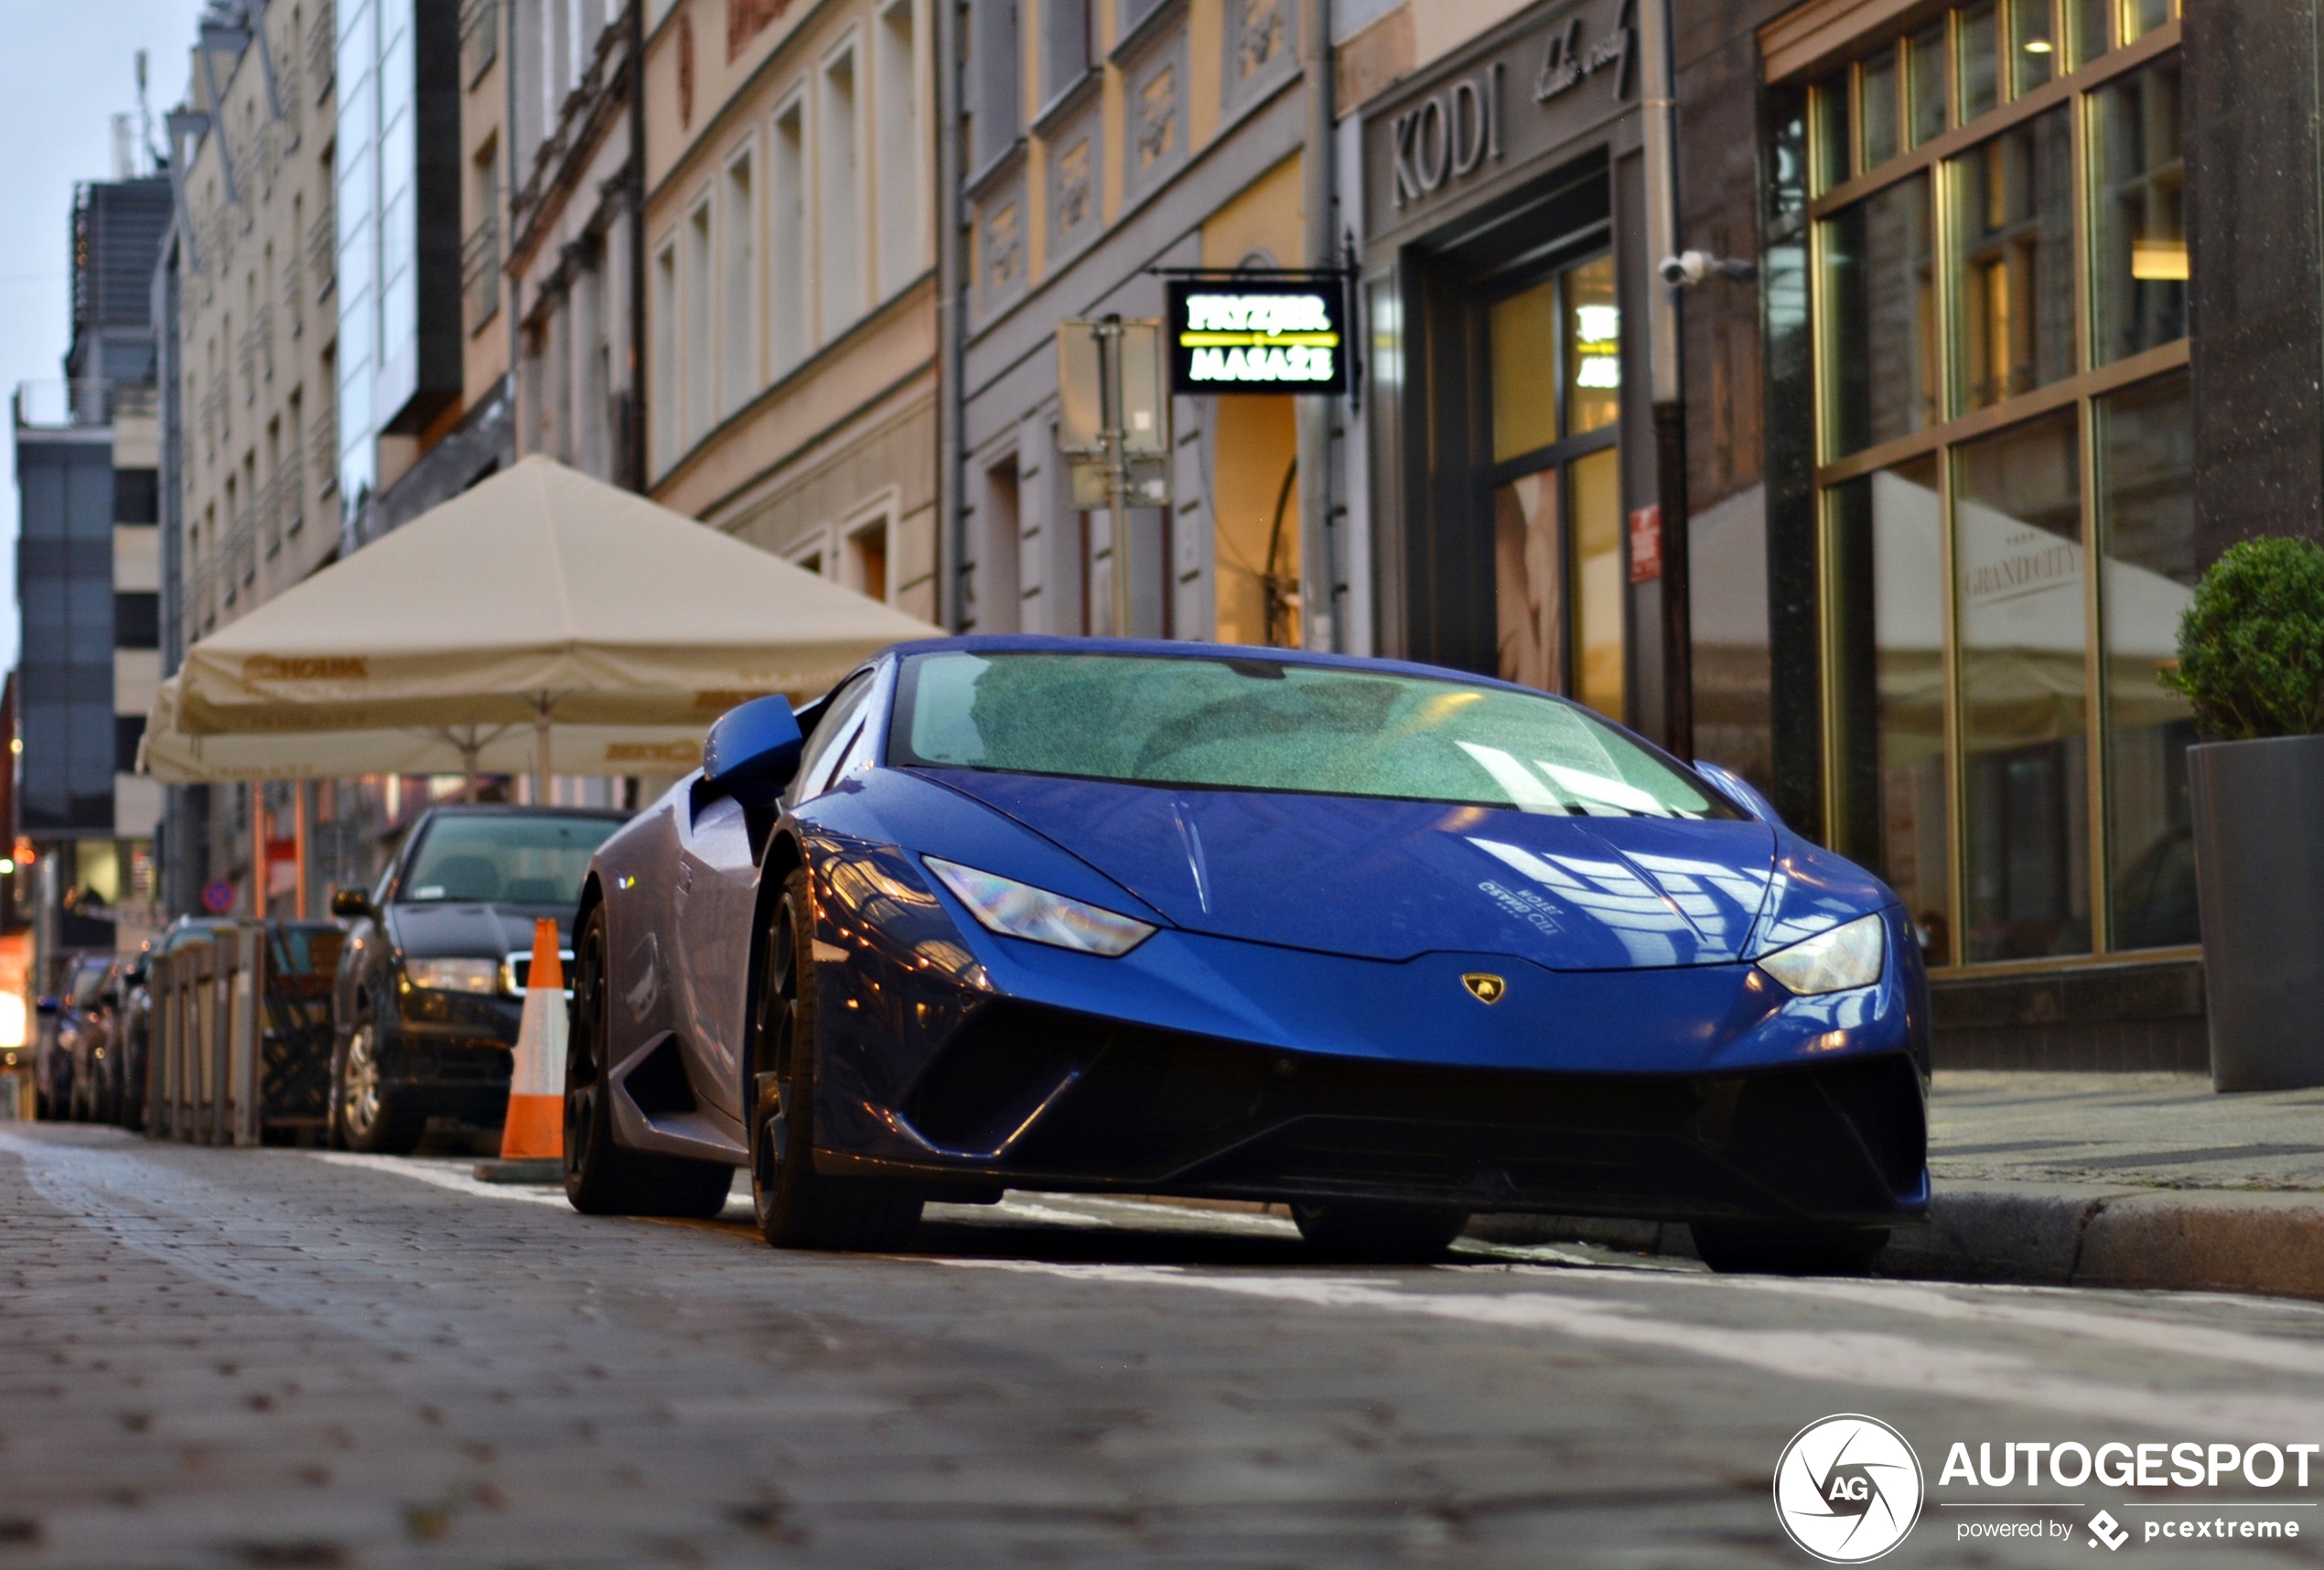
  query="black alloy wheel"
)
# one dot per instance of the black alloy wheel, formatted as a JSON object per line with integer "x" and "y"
{"x": 1372, "y": 1233}
{"x": 1762, "y": 1248}
{"x": 600, "y": 1177}
{"x": 365, "y": 1114}
{"x": 796, "y": 1205}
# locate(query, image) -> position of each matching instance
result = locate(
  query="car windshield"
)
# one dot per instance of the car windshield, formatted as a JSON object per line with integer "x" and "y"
{"x": 507, "y": 856}
{"x": 1250, "y": 723}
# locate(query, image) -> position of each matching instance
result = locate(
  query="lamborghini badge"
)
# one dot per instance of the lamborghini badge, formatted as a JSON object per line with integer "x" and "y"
{"x": 1487, "y": 989}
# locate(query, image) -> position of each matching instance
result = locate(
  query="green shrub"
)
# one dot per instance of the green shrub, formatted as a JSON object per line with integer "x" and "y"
{"x": 2251, "y": 646}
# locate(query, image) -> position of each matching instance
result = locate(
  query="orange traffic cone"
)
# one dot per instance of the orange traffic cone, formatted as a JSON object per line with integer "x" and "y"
{"x": 533, "y": 1140}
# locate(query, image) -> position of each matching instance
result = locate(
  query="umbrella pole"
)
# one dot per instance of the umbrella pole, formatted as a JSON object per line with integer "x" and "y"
{"x": 541, "y": 778}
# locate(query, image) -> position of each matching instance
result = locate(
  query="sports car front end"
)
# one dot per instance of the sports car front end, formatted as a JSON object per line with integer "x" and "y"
{"x": 1481, "y": 968}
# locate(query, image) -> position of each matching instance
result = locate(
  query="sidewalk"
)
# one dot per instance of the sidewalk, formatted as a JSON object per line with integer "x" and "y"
{"x": 2091, "y": 1179}
{"x": 2122, "y": 1180}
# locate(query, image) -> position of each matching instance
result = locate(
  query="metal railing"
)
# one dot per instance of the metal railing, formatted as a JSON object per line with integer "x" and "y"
{"x": 322, "y": 248}
{"x": 282, "y": 503}
{"x": 322, "y": 50}
{"x": 480, "y": 272}
{"x": 241, "y": 1039}
{"x": 325, "y": 448}
{"x": 479, "y": 38}
{"x": 62, "y": 406}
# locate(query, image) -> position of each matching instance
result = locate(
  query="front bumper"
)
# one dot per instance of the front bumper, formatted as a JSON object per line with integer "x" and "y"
{"x": 1206, "y": 1066}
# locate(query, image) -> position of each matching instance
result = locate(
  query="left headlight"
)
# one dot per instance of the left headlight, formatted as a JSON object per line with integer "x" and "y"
{"x": 454, "y": 975}
{"x": 1017, "y": 909}
{"x": 1849, "y": 955}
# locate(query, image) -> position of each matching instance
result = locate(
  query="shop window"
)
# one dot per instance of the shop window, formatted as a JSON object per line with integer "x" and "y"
{"x": 2018, "y": 565}
{"x": 2140, "y": 17}
{"x": 1880, "y": 297}
{"x": 2033, "y": 53}
{"x": 1978, "y": 29}
{"x": 1529, "y": 566}
{"x": 1592, "y": 348}
{"x": 1929, "y": 108}
{"x": 1834, "y": 110}
{"x": 1887, "y": 533}
{"x": 2146, "y": 515}
{"x": 1255, "y": 516}
{"x": 1876, "y": 88}
{"x": 1600, "y": 583}
{"x": 2014, "y": 215}
{"x": 2088, "y": 34}
{"x": 2140, "y": 298}
{"x": 1524, "y": 400}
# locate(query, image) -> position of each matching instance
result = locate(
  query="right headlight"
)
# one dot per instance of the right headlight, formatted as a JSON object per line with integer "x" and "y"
{"x": 454, "y": 975}
{"x": 1017, "y": 909}
{"x": 1848, "y": 955}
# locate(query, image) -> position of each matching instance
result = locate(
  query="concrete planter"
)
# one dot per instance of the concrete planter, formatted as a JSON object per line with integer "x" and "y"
{"x": 2259, "y": 876}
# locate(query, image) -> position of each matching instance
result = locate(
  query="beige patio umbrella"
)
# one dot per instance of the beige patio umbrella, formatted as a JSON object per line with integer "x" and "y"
{"x": 543, "y": 614}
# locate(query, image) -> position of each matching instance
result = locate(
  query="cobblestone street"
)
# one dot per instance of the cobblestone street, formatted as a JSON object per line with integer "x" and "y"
{"x": 283, "y": 1357}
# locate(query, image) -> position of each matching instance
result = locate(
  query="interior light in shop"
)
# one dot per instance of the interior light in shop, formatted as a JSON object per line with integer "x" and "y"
{"x": 2037, "y": 45}
{"x": 8, "y": 864}
{"x": 2158, "y": 260}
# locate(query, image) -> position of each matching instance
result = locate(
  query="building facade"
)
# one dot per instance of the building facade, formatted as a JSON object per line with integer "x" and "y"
{"x": 88, "y": 573}
{"x": 1986, "y": 500}
{"x": 1104, "y": 145}
{"x": 791, "y": 301}
{"x": 577, "y": 244}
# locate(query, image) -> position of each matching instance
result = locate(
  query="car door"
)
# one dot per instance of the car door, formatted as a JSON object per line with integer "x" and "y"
{"x": 713, "y": 896}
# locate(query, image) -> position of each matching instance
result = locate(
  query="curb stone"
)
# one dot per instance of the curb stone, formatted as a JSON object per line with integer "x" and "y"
{"x": 2054, "y": 1234}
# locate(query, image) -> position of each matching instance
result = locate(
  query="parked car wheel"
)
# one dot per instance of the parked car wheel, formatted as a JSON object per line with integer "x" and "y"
{"x": 796, "y": 1207}
{"x": 1377, "y": 1233}
{"x": 367, "y": 1116}
{"x": 601, "y": 1178}
{"x": 1757, "y": 1248}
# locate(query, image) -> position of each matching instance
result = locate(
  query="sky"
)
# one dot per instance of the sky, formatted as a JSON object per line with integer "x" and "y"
{"x": 66, "y": 69}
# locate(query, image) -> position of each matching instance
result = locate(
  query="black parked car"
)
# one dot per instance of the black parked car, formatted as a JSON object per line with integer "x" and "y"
{"x": 431, "y": 985}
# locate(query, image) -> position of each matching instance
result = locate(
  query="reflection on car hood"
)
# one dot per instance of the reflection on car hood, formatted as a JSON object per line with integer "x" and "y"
{"x": 457, "y": 927}
{"x": 1388, "y": 881}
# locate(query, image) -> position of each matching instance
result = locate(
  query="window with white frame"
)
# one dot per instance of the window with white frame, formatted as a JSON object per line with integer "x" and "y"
{"x": 902, "y": 245}
{"x": 812, "y": 553}
{"x": 663, "y": 370}
{"x": 698, "y": 355}
{"x": 840, "y": 189}
{"x": 788, "y": 305}
{"x": 738, "y": 284}
{"x": 863, "y": 563}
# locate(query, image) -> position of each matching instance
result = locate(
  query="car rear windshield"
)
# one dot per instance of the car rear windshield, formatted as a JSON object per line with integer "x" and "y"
{"x": 1264, "y": 724}
{"x": 509, "y": 857}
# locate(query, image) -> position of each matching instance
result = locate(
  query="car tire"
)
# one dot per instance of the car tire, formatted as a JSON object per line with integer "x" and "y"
{"x": 366, "y": 1114}
{"x": 1759, "y": 1248}
{"x": 600, "y": 1177}
{"x": 1378, "y": 1234}
{"x": 796, "y": 1205}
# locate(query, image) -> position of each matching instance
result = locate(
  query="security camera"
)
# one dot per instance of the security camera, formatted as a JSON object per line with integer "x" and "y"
{"x": 1689, "y": 268}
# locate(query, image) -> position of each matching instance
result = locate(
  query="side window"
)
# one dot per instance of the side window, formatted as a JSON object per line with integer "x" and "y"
{"x": 842, "y": 723}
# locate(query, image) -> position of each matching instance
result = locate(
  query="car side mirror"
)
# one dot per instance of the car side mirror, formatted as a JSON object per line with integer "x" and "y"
{"x": 350, "y": 904}
{"x": 753, "y": 750}
{"x": 1740, "y": 791}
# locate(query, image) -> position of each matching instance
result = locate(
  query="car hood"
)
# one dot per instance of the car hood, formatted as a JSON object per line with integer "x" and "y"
{"x": 1384, "y": 879}
{"x": 457, "y": 929}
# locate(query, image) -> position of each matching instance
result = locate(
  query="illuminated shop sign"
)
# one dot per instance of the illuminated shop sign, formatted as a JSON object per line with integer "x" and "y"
{"x": 1242, "y": 335}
